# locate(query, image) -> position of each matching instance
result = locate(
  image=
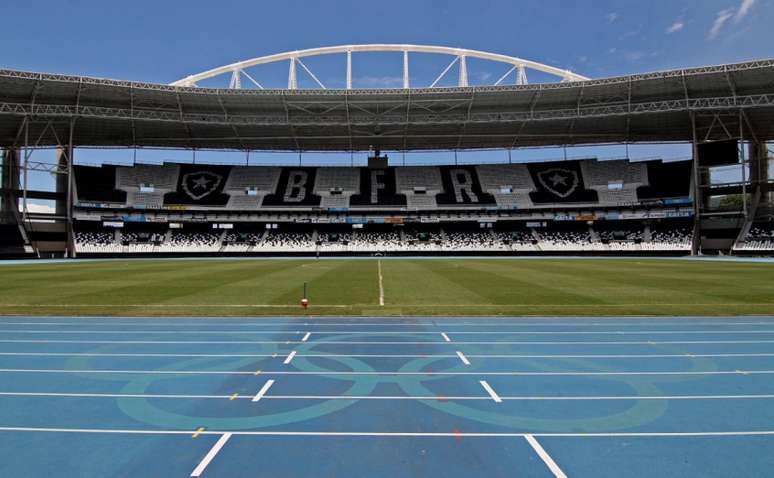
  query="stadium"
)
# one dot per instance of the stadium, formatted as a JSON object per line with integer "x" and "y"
{"x": 407, "y": 315}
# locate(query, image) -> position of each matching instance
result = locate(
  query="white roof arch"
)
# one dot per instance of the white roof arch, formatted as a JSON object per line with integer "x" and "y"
{"x": 518, "y": 65}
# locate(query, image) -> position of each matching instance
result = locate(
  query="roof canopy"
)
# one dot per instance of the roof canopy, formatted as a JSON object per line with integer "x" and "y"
{"x": 649, "y": 107}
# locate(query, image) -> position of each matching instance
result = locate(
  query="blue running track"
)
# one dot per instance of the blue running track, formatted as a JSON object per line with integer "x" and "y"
{"x": 387, "y": 397}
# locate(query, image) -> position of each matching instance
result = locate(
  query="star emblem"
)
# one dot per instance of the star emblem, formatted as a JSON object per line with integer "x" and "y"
{"x": 200, "y": 182}
{"x": 557, "y": 179}
{"x": 560, "y": 182}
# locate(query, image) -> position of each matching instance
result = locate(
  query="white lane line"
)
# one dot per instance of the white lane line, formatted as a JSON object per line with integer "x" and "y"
{"x": 381, "y": 283}
{"x": 501, "y": 356}
{"x": 126, "y": 431}
{"x": 306, "y": 337}
{"x": 289, "y": 357}
{"x": 210, "y": 455}
{"x": 386, "y": 342}
{"x": 445, "y": 337}
{"x": 490, "y": 391}
{"x": 550, "y": 463}
{"x": 387, "y": 397}
{"x": 388, "y": 373}
{"x": 266, "y": 386}
{"x": 463, "y": 358}
{"x": 388, "y": 332}
{"x": 504, "y": 322}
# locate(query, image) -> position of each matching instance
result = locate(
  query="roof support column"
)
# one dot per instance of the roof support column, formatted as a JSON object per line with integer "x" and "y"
{"x": 521, "y": 76}
{"x": 292, "y": 81}
{"x": 349, "y": 69}
{"x": 463, "y": 71}
{"x": 9, "y": 169}
{"x": 405, "y": 70}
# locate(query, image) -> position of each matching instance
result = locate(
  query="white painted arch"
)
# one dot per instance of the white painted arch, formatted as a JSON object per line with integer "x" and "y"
{"x": 518, "y": 65}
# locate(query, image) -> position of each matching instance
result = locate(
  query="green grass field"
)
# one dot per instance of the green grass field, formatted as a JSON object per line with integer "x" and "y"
{"x": 410, "y": 287}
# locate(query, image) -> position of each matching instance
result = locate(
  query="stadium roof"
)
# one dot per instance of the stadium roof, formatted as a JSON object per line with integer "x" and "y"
{"x": 650, "y": 107}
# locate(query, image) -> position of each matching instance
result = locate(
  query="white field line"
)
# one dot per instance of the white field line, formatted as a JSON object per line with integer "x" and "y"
{"x": 331, "y": 355}
{"x": 490, "y": 391}
{"x": 386, "y": 397}
{"x": 306, "y": 337}
{"x": 210, "y": 455}
{"x": 504, "y": 322}
{"x": 381, "y": 283}
{"x": 289, "y": 358}
{"x": 388, "y": 342}
{"x": 390, "y": 332}
{"x": 445, "y": 337}
{"x": 127, "y": 431}
{"x": 426, "y": 305}
{"x": 463, "y": 358}
{"x": 266, "y": 386}
{"x": 349, "y": 373}
{"x": 550, "y": 463}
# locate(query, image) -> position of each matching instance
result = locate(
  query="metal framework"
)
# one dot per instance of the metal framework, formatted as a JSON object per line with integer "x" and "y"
{"x": 653, "y": 107}
{"x": 517, "y": 66}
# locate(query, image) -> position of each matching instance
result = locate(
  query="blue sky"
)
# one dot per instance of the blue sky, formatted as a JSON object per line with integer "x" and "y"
{"x": 161, "y": 41}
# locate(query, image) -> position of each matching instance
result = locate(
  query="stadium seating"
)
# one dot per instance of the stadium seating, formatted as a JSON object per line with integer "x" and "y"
{"x": 420, "y": 185}
{"x": 669, "y": 239}
{"x": 759, "y": 238}
{"x": 336, "y": 185}
{"x": 468, "y": 237}
{"x": 508, "y": 186}
{"x": 248, "y": 185}
{"x": 287, "y": 242}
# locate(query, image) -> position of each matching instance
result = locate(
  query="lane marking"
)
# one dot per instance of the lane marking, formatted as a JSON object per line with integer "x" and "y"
{"x": 490, "y": 391}
{"x": 393, "y": 434}
{"x": 266, "y": 386}
{"x": 381, "y": 284}
{"x": 479, "y": 322}
{"x": 379, "y": 342}
{"x": 210, "y": 455}
{"x": 289, "y": 357}
{"x": 463, "y": 358}
{"x": 388, "y": 397}
{"x": 197, "y": 432}
{"x": 550, "y": 463}
{"x": 274, "y": 355}
{"x": 349, "y": 373}
{"x": 445, "y": 337}
{"x": 388, "y": 332}
{"x": 502, "y": 322}
{"x": 306, "y": 337}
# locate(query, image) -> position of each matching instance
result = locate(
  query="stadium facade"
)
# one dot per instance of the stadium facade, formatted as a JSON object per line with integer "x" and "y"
{"x": 726, "y": 112}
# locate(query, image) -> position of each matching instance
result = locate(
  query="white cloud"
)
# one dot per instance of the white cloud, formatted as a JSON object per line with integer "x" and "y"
{"x": 720, "y": 20}
{"x": 612, "y": 16}
{"x": 727, "y": 14}
{"x": 744, "y": 9}
{"x": 676, "y": 27}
